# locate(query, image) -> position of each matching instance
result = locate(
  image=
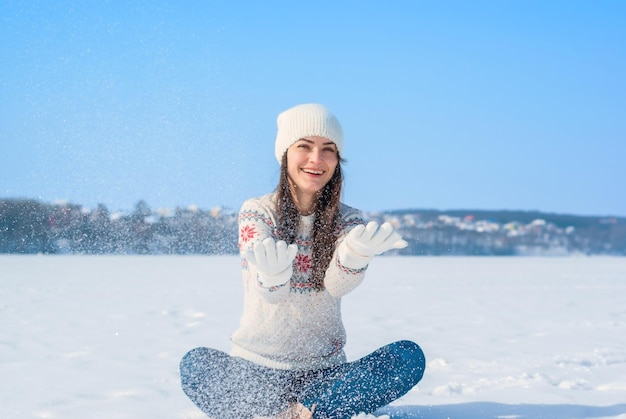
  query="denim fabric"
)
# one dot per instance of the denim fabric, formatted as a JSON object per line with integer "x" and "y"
{"x": 226, "y": 387}
{"x": 366, "y": 384}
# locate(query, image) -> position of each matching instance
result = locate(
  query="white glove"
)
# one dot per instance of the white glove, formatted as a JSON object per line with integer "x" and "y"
{"x": 364, "y": 242}
{"x": 272, "y": 260}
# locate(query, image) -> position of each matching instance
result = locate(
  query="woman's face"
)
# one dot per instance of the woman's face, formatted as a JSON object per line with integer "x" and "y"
{"x": 311, "y": 163}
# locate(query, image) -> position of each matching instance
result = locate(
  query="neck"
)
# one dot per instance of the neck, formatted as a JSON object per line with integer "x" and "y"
{"x": 305, "y": 203}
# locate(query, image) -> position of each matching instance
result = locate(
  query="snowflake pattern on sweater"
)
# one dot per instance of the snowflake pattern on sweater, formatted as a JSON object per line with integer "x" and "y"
{"x": 294, "y": 325}
{"x": 256, "y": 224}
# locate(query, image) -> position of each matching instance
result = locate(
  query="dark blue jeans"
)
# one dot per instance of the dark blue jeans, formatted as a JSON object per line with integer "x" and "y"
{"x": 226, "y": 387}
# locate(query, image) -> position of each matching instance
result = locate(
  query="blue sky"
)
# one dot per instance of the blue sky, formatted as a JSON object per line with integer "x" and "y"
{"x": 515, "y": 105}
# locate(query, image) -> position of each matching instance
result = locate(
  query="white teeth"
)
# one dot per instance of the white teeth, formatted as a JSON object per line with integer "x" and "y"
{"x": 314, "y": 172}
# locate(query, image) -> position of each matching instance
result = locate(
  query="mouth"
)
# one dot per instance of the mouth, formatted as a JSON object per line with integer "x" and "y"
{"x": 313, "y": 172}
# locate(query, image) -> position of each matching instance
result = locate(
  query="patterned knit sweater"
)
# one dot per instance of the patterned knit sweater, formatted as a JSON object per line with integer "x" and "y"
{"x": 292, "y": 326}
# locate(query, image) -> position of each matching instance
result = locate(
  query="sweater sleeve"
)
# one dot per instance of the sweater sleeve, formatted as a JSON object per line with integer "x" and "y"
{"x": 339, "y": 279}
{"x": 256, "y": 223}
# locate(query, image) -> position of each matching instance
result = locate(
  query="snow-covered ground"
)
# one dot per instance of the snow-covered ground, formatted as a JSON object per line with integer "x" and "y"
{"x": 101, "y": 337}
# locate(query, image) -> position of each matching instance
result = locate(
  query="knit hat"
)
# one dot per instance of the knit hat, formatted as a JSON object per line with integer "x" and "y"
{"x": 308, "y": 120}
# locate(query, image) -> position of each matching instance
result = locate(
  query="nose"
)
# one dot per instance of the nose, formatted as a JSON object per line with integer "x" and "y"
{"x": 315, "y": 156}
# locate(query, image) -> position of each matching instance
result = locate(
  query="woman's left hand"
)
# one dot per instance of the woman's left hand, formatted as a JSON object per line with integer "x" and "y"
{"x": 372, "y": 240}
{"x": 364, "y": 242}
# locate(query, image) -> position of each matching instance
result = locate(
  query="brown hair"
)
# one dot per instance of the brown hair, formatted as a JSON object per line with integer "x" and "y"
{"x": 325, "y": 226}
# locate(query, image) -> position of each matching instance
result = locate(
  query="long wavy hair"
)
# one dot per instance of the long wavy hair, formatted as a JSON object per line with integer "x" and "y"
{"x": 326, "y": 221}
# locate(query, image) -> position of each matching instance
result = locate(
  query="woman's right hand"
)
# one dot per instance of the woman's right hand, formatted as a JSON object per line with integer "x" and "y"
{"x": 273, "y": 260}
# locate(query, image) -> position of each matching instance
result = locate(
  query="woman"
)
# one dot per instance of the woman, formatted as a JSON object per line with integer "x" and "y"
{"x": 301, "y": 251}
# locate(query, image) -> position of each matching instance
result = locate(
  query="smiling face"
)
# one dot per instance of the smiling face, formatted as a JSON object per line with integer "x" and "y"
{"x": 311, "y": 162}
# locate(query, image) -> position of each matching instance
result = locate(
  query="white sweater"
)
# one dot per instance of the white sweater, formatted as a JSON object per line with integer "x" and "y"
{"x": 293, "y": 326}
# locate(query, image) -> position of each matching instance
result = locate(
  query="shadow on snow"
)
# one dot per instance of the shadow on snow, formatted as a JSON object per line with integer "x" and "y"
{"x": 486, "y": 410}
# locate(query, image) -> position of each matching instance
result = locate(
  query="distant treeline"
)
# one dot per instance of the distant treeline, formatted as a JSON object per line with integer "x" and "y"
{"x": 30, "y": 226}
{"x": 480, "y": 232}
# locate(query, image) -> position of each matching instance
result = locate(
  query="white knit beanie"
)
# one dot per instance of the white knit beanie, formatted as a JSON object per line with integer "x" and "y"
{"x": 308, "y": 120}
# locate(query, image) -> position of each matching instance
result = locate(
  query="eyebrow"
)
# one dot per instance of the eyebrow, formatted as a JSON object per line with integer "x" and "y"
{"x": 311, "y": 142}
